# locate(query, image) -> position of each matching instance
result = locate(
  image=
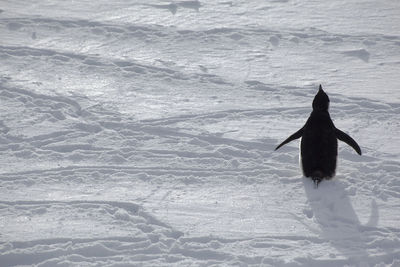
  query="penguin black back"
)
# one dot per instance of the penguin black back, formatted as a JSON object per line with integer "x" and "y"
{"x": 319, "y": 144}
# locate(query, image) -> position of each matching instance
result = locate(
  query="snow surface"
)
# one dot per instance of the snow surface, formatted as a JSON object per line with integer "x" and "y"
{"x": 141, "y": 133}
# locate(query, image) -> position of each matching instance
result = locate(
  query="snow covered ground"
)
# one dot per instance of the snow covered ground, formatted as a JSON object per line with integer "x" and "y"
{"x": 141, "y": 133}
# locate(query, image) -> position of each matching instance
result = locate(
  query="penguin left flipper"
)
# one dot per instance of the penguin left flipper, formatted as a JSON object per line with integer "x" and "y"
{"x": 348, "y": 140}
{"x": 294, "y": 136}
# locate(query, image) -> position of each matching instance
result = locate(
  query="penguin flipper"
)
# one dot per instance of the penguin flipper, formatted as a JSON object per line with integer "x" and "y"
{"x": 294, "y": 136}
{"x": 348, "y": 140}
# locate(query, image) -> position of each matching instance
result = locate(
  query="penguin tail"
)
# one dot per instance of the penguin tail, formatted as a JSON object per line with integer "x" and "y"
{"x": 318, "y": 174}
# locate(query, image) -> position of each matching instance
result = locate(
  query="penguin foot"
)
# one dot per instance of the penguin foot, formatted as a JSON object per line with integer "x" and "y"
{"x": 316, "y": 181}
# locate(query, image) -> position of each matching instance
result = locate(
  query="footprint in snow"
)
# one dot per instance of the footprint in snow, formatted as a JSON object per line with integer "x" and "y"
{"x": 358, "y": 53}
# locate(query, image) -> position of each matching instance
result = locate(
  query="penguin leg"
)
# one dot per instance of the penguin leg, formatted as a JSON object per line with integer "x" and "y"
{"x": 316, "y": 181}
{"x": 317, "y": 177}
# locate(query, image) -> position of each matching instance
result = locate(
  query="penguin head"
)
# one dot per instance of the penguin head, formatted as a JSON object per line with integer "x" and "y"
{"x": 321, "y": 100}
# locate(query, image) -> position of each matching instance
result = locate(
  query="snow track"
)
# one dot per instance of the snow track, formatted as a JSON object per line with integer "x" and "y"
{"x": 143, "y": 134}
{"x": 115, "y": 233}
{"x": 193, "y": 180}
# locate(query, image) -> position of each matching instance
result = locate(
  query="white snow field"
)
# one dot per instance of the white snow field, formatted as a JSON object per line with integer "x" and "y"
{"x": 142, "y": 133}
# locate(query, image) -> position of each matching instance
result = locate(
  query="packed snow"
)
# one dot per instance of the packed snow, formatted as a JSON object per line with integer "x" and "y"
{"x": 142, "y": 133}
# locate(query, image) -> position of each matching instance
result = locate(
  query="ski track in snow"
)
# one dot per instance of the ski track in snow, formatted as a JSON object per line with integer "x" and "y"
{"x": 126, "y": 141}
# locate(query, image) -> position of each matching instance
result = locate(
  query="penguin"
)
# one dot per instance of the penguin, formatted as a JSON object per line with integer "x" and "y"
{"x": 319, "y": 145}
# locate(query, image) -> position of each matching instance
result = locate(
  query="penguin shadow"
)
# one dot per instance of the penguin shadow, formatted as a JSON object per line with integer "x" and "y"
{"x": 338, "y": 223}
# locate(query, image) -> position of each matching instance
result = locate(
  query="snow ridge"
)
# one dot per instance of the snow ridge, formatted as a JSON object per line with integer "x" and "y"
{"x": 92, "y": 151}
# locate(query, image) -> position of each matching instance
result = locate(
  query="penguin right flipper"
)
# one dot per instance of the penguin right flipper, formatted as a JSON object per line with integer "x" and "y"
{"x": 348, "y": 140}
{"x": 294, "y": 136}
